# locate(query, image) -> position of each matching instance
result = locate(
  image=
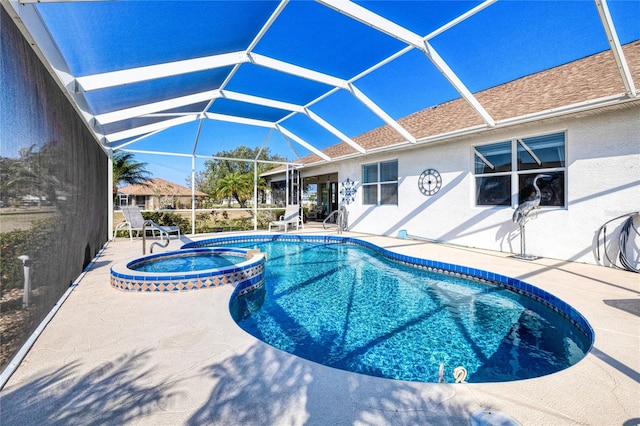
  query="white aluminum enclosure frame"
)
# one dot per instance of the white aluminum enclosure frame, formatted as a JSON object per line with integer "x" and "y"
{"x": 26, "y": 12}
{"x": 27, "y": 17}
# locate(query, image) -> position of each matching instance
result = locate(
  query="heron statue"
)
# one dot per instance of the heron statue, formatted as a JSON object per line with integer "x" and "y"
{"x": 521, "y": 215}
{"x": 523, "y": 210}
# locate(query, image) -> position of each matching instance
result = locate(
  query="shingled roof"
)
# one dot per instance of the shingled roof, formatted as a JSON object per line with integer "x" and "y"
{"x": 587, "y": 79}
{"x": 159, "y": 186}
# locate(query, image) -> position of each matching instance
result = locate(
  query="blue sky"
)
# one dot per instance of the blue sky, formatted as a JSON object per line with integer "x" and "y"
{"x": 505, "y": 41}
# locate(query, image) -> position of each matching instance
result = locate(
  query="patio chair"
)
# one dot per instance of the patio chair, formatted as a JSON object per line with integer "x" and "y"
{"x": 291, "y": 216}
{"x": 135, "y": 222}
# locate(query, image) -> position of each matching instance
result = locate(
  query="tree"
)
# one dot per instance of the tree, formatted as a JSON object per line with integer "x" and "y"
{"x": 237, "y": 185}
{"x": 230, "y": 178}
{"x": 128, "y": 171}
{"x": 34, "y": 173}
{"x": 166, "y": 196}
{"x": 16, "y": 178}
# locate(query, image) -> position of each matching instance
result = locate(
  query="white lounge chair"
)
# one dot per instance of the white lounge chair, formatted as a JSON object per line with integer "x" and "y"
{"x": 133, "y": 221}
{"x": 291, "y": 216}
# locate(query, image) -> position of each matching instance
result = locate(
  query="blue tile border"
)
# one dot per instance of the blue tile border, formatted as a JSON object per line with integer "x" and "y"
{"x": 244, "y": 274}
{"x": 490, "y": 278}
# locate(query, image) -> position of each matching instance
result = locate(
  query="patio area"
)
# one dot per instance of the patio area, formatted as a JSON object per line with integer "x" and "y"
{"x": 113, "y": 357}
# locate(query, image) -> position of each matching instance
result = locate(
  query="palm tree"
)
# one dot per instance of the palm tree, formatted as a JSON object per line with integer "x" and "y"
{"x": 34, "y": 173}
{"x": 237, "y": 185}
{"x": 128, "y": 171}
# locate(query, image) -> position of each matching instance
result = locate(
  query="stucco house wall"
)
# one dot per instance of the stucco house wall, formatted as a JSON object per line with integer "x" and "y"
{"x": 602, "y": 182}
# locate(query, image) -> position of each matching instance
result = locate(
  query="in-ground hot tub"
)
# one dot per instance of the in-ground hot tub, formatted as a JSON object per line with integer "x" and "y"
{"x": 191, "y": 269}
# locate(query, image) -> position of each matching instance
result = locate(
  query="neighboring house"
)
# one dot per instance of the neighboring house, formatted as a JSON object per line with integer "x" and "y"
{"x": 461, "y": 182}
{"x": 158, "y": 194}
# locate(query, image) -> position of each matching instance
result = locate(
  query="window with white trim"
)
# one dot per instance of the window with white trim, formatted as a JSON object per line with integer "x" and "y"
{"x": 380, "y": 183}
{"x": 504, "y": 171}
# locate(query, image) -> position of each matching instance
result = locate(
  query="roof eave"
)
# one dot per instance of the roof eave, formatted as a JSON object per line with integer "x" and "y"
{"x": 589, "y": 105}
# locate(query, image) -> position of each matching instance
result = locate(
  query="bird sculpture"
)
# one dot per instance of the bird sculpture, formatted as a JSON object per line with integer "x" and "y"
{"x": 524, "y": 209}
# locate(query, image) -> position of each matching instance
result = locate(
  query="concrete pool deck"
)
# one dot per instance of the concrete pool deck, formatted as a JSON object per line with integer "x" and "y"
{"x": 115, "y": 357}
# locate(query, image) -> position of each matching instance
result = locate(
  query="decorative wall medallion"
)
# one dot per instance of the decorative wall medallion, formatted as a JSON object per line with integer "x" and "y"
{"x": 430, "y": 182}
{"x": 348, "y": 191}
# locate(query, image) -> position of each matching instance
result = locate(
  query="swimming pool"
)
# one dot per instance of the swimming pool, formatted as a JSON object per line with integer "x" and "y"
{"x": 354, "y": 306}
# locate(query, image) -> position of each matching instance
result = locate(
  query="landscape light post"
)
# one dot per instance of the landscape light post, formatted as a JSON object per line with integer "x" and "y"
{"x": 26, "y": 263}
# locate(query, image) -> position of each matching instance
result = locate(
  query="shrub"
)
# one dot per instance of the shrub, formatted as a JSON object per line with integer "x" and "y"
{"x": 169, "y": 219}
{"x": 34, "y": 242}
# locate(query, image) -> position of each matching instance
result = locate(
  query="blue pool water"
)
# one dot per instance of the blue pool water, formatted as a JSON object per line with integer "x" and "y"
{"x": 347, "y": 307}
{"x": 188, "y": 263}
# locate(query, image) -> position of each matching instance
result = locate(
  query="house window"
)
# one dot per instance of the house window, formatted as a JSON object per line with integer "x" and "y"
{"x": 380, "y": 183}
{"x": 504, "y": 171}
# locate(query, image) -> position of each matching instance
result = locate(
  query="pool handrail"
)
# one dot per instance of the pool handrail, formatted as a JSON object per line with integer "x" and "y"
{"x": 341, "y": 219}
{"x": 144, "y": 238}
